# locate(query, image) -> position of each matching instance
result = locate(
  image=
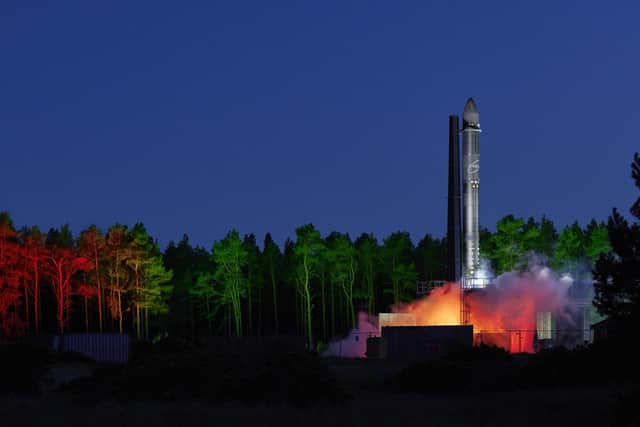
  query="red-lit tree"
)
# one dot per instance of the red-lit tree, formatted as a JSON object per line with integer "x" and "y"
{"x": 10, "y": 279}
{"x": 61, "y": 263}
{"x": 86, "y": 291}
{"x": 92, "y": 246}
{"x": 33, "y": 253}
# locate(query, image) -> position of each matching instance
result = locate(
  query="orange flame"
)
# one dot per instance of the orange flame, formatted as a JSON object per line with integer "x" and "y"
{"x": 503, "y": 314}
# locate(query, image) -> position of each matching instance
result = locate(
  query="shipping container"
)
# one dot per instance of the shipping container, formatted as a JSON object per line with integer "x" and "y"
{"x": 424, "y": 342}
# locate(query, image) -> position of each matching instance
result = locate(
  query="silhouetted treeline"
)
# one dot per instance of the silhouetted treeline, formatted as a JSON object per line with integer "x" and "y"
{"x": 617, "y": 272}
{"x": 311, "y": 286}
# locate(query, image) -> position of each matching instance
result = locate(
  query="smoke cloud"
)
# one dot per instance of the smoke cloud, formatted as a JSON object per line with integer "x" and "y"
{"x": 507, "y": 313}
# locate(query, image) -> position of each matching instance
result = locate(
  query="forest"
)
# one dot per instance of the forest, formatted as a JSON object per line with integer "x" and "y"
{"x": 313, "y": 285}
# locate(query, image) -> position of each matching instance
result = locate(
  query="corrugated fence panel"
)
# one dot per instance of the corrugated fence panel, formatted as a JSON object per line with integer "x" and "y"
{"x": 110, "y": 348}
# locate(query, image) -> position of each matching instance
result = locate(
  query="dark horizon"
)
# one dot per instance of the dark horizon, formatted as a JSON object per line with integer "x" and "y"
{"x": 202, "y": 119}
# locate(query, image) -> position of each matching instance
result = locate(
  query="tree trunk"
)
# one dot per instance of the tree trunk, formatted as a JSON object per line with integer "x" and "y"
{"x": 95, "y": 255}
{"x": 333, "y": 310}
{"x": 275, "y": 299}
{"x": 86, "y": 314}
{"x": 61, "y": 300}
{"x": 307, "y": 295}
{"x": 250, "y": 308}
{"x": 324, "y": 308}
{"x": 208, "y": 310}
{"x": 36, "y": 296}
{"x": 119, "y": 311}
{"x": 26, "y": 305}
{"x": 146, "y": 323}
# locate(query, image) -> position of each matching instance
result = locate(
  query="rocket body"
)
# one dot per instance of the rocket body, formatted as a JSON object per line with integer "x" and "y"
{"x": 471, "y": 193}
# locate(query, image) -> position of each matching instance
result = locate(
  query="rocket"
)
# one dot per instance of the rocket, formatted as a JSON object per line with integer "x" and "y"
{"x": 463, "y": 212}
{"x": 471, "y": 191}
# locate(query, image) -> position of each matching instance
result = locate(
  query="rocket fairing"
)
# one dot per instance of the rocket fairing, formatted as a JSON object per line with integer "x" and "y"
{"x": 471, "y": 190}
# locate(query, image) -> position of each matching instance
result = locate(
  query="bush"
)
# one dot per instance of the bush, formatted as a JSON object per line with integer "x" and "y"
{"x": 436, "y": 376}
{"x": 594, "y": 365}
{"x": 163, "y": 373}
{"x": 626, "y": 412}
{"x": 22, "y": 367}
{"x": 480, "y": 352}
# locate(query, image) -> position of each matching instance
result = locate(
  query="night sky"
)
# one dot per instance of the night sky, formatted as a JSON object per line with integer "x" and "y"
{"x": 199, "y": 117}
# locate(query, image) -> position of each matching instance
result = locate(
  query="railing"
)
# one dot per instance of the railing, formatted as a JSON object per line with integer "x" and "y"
{"x": 425, "y": 287}
{"x": 475, "y": 282}
{"x": 527, "y": 340}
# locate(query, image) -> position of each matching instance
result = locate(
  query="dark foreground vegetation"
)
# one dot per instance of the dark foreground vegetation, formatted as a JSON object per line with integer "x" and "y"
{"x": 241, "y": 382}
{"x": 220, "y": 370}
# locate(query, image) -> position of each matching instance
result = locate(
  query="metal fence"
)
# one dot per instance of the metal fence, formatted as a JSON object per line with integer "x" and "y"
{"x": 108, "y": 348}
{"x": 529, "y": 341}
{"x": 111, "y": 348}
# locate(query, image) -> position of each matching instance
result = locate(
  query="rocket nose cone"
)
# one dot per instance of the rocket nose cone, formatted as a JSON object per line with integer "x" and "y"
{"x": 470, "y": 106}
{"x": 470, "y": 114}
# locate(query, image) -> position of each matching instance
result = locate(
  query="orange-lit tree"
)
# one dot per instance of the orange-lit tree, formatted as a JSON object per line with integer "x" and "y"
{"x": 117, "y": 240}
{"x": 92, "y": 245}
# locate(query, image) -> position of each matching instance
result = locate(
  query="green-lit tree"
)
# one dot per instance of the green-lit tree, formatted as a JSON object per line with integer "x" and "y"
{"x": 253, "y": 274}
{"x": 569, "y": 249}
{"x": 230, "y": 259}
{"x": 487, "y": 248}
{"x": 150, "y": 288}
{"x": 291, "y": 310}
{"x": 369, "y": 259}
{"x": 308, "y": 252}
{"x": 508, "y": 244}
{"x": 431, "y": 258}
{"x": 546, "y": 238}
{"x": 397, "y": 253}
{"x": 204, "y": 293}
{"x": 272, "y": 266}
{"x": 404, "y": 277}
{"x": 188, "y": 306}
{"x": 596, "y": 240}
{"x": 342, "y": 259}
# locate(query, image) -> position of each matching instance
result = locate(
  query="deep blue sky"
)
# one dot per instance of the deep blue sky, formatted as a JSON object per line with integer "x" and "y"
{"x": 198, "y": 117}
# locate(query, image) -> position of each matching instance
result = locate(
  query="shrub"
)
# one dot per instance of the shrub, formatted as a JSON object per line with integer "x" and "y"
{"x": 435, "y": 376}
{"x": 166, "y": 374}
{"x": 22, "y": 367}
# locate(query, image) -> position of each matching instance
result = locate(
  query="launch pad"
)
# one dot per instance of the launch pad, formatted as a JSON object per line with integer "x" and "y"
{"x": 449, "y": 322}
